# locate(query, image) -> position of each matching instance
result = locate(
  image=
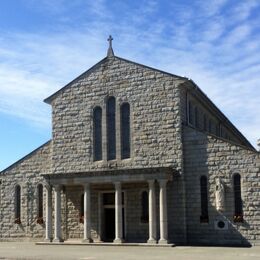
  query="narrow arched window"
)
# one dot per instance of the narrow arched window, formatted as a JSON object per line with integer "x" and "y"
{"x": 40, "y": 201}
{"x": 18, "y": 204}
{"x": 81, "y": 210}
{"x": 145, "y": 212}
{"x": 204, "y": 218}
{"x": 97, "y": 133}
{"x": 125, "y": 130}
{"x": 111, "y": 128}
{"x": 238, "y": 216}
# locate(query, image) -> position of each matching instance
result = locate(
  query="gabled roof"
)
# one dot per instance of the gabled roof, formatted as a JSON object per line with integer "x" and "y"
{"x": 185, "y": 80}
{"x": 49, "y": 99}
{"x": 25, "y": 157}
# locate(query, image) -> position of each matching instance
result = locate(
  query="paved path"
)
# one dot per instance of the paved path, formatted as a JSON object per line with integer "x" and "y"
{"x": 26, "y": 250}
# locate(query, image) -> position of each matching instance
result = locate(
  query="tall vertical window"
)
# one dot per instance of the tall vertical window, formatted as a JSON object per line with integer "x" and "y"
{"x": 125, "y": 130}
{"x": 238, "y": 216}
{"x": 81, "y": 210}
{"x": 205, "y": 123}
{"x": 196, "y": 117}
{"x": 18, "y": 204}
{"x": 97, "y": 133}
{"x": 190, "y": 110}
{"x": 111, "y": 128}
{"x": 40, "y": 201}
{"x": 145, "y": 210}
{"x": 204, "y": 218}
{"x": 210, "y": 125}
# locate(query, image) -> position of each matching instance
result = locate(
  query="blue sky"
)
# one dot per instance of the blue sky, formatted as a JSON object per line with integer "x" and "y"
{"x": 44, "y": 44}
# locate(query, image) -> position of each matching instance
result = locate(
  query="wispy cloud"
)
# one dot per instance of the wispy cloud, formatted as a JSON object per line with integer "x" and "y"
{"x": 215, "y": 43}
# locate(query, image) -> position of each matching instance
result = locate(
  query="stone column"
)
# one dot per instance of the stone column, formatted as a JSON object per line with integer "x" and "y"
{"x": 87, "y": 221}
{"x": 163, "y": 213}
{"x": 48, "y": 211}
{"x": 57, "y": 212}
{"x": 118, "y": 214}
{"x": 152, "y": 213}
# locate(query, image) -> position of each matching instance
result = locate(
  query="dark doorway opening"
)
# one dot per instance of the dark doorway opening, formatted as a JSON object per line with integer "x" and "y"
{"x": 109, "y": 234}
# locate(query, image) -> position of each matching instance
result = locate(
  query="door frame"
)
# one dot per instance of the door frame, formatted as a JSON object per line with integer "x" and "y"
{"x": 101, "y": 208}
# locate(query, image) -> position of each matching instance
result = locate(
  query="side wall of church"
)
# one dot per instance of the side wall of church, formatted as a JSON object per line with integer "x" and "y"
{"x": 214, "y": 157}
{"x": 154, "y": 99}
{"x": 25, "y": 173}
{"x": 199, "y": 115}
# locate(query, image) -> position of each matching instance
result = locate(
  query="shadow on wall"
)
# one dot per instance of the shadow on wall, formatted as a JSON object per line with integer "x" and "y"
{"x": 203, "y": 157}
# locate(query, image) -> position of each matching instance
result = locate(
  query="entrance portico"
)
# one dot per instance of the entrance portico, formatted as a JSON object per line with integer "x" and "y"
{"x": 153, "y": 178}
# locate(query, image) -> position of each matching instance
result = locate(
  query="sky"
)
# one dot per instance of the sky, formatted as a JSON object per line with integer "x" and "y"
{"x": 44, "y": 44}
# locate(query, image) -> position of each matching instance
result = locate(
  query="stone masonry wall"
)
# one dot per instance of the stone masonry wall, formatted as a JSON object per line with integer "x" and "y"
{"x": 26, "y": 173}
{"x": 155, "y": 117}
{"x": 214, "y": 157}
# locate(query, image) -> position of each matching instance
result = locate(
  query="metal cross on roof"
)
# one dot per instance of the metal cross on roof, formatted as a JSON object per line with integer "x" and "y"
{"x": 110, "y": 51}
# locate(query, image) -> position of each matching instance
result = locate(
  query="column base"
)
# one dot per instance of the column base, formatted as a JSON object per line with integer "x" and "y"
{"x": 163, "y": 241}
{"x": 57, "y": 240}
{"x": 87, "y": 240}
{"x": 118, "y": 241}
{"x": 151, "y": 241}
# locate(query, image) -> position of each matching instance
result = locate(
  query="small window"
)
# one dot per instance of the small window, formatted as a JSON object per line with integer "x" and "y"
{"x": 238, "y": 216}
{"x": 18, "y": 204}
{"x": 190, "y": 109}
{"x": 111, "y": 128}
{"x": 40, "y": 204}
{"x": 125, "y": 130}
{"x": 97, "y": 133}
{"x": 204, "y": 218}
{"x": 145, "y": 210}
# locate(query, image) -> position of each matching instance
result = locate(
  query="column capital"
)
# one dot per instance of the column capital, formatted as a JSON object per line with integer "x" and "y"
{"x": 117, "y": 184}
{"x": 57, "y": 187}
{"x": 86, "y": 185}
{"x": 47, "y": 186}
{"x": 151, "y": 182}
{"x": 162, "y": 182}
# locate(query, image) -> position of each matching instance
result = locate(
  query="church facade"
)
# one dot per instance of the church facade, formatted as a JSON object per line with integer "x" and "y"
{"x": 137, "y": 155}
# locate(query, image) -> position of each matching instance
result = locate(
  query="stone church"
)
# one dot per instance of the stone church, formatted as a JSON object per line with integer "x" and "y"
{"x": 137, "y": 155}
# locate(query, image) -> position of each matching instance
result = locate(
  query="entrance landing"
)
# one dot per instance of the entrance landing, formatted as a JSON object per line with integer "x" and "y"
{"x": 79, "y": 243}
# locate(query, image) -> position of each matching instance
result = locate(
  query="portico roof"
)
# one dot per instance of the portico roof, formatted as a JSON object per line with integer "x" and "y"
{"x": 111, "y": 176}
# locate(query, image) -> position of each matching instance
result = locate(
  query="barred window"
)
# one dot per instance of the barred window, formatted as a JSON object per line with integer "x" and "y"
{"x": 125, "y": 130}
{"x": 97, "y": 133}
{"x": 111, "y": 128}
{"x": 204, "y": 218}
